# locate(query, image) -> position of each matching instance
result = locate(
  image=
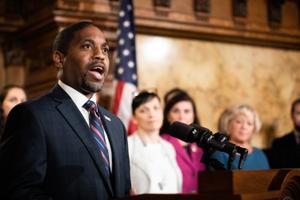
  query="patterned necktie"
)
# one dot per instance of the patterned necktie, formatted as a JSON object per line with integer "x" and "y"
{"x": 98, "y": 132}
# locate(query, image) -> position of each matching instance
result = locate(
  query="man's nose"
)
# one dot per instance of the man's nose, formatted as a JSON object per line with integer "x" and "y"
{"x": 98, "y": 53}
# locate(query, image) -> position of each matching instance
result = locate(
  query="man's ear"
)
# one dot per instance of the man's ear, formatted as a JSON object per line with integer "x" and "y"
{"x": 58, "y": 59}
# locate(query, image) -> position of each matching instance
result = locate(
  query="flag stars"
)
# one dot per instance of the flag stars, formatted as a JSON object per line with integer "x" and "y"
{"x": 126, "y": 24}
{"x": 125, "y": 60}
{"x": 134, "y": 77}
{"x": 125, "y": 52}
{"x": 130, "y": 64}
{"x": 120, "y": 71}
{"x": 122, "y": 13}
{"x": 130, "y": 35}
{"x": 121, "y": 41}
{"x": 126, "y": 64}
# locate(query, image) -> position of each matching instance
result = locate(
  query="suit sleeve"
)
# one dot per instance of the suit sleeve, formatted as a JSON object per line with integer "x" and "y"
{"x": 126, "y": 161}
{"x": 23, "y": 156}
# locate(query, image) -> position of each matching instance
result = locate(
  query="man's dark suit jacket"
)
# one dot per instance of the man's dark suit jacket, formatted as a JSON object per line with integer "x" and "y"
{"x": 285, "y": 152}
{"x": 48, "y": 152}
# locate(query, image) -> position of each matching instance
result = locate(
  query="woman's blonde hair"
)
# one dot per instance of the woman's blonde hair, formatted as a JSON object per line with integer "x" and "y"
{"x": 230, "y": 113}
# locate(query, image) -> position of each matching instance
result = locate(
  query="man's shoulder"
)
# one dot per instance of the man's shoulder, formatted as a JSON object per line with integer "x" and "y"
{"x": 287, "y": 138}
{"x": 41, "y": 104}
{"x": 107, "y": 113}
{"x": 41, "y": 101}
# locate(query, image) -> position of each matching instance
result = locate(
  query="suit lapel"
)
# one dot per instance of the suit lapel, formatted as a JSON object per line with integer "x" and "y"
{"x": 74, "y": 118}
{"x": 113, "y": 139}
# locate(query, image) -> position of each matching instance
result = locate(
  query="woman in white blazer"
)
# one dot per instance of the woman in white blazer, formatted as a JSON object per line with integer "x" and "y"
{"x": 152, "y": 160}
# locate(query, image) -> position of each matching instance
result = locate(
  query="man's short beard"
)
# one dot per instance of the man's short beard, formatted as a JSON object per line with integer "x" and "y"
{"x": 92, "y": 87}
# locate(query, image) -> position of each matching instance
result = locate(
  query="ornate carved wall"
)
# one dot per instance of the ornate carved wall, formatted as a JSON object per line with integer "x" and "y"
{"x": 227, "y": 51}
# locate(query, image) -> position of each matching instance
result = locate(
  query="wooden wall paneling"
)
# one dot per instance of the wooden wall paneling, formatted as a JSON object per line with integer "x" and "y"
{"x": 37, "y": 22}
{"x": 274, "y": 13}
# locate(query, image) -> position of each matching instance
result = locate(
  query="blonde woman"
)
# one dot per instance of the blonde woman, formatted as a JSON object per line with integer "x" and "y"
{"x": 241, "y": 123}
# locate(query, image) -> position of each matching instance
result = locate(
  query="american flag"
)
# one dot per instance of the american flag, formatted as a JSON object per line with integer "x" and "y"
{"x": 125, "y": 72}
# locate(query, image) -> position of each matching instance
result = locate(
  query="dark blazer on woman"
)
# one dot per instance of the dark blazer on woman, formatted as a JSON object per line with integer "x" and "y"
{"x": 48, "y": 152}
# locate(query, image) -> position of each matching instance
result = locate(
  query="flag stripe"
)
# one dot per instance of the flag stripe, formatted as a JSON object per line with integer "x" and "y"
{"x": 125, "y": 112}
{"x": 118, "y": 95}
{"x": 126, "y": 67}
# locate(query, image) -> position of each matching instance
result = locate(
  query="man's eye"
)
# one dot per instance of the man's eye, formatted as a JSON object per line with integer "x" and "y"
{"x": 106, "y": 50}
{"x": 86, "y": 46}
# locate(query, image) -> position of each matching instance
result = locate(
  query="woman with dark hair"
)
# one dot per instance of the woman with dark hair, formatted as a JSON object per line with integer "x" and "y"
{"x": 153, "y": 164}
{"x": 179, "y": 106}
{"x": 10, "y": 96}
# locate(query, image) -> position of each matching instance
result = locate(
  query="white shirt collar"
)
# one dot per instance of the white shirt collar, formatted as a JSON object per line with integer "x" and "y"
{"x": 78, "y": 98}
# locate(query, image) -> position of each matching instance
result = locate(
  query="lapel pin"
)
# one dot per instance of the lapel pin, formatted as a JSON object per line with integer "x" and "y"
{"x": 107, "y": 118}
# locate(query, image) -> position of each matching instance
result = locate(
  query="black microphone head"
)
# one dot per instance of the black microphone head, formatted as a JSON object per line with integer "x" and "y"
{"x": 183, "y": 132}
{"x": 221, "y": 137}
{"x": 241, "y": 150}
{"x": 204, "y": 136}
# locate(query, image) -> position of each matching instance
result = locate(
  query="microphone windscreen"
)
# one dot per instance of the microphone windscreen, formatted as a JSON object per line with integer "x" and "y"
{"x": 181, "y": 131}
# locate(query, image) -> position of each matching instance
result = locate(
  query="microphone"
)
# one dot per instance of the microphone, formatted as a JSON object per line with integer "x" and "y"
{"x": 202, "y": 136}
{"x": 242, "y": 151}
{"x": 221, "y": 137}
{"x": 205, "y": 139}
{"x": 243, "y": 155}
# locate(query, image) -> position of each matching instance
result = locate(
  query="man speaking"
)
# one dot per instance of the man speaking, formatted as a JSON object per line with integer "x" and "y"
{"x": 64, "y": 145}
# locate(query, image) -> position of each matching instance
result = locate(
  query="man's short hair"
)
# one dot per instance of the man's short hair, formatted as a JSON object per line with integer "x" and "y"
{"x": 295, "y": 102}
{"x": 63, "y": 38}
